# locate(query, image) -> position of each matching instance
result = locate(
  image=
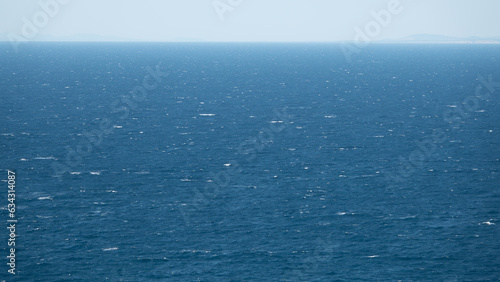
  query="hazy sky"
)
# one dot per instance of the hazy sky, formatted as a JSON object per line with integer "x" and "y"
{"x": 243, "y": 20}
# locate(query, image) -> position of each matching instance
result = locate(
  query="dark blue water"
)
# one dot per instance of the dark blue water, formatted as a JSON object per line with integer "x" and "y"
{"x": 258, "y": 162}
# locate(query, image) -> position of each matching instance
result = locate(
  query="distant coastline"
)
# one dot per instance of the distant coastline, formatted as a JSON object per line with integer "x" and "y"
{"x": 413, "y": 39}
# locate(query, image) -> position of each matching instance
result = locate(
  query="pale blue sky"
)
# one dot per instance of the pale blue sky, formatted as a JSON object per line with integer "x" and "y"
{"x": 251, "y": 20}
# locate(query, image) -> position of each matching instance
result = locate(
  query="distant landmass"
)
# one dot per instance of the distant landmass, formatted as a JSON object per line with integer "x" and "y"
{"x": 417, "y": 38}
{"x": 433, "y": 38}
{"x": 81, "y": 37}
{"x": 93, "y": 38}
{"x": 75, "y": 37}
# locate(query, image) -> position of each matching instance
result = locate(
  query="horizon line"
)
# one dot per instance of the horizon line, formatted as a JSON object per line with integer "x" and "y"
{"x": 298, "y": 42}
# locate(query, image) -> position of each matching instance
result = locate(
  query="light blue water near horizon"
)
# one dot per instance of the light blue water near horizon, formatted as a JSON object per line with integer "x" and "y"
{"x": 301, "y": 151}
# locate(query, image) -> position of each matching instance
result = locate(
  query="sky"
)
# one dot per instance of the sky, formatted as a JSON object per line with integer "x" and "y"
{"x": 244, "y": 20}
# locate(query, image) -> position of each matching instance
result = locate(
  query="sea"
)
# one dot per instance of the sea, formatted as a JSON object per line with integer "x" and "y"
{"x": 250, "y": 162}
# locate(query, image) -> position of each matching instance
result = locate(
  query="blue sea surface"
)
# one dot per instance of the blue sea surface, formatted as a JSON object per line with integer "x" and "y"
{"x": 251, "y": 162}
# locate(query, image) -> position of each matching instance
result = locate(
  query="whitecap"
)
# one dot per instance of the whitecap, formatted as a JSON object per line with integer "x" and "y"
{"x": 45, "y": 198}
{"x": 408, "y": 217}
{"x": 75, "y": 172}
{"x": 95, "y": 172}
{"x": 45, "y": 158}
{"x": 487, "y": 223}
{"x": 195, "y": 251}
{"x": 206, "y": 115}
{"x": 110, "y": 249}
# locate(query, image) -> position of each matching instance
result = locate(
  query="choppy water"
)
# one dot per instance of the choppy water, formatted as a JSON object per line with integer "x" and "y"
{"x": 252, "y": 162}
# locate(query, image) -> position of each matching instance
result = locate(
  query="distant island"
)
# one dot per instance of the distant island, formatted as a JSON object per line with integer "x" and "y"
{"x": 417, "y": 39}
{"x": 433, "y": 38}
